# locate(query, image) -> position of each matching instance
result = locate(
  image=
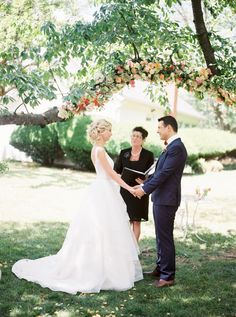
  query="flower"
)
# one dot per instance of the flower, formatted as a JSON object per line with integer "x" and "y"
{"x": 205, "y": 72}
{"x": 127, "y": 155}
{"x": 198, "y": 81}
{"x": 132, "y": 83}
{"x": 63, "y": 113}
{"x": 118, "y": 80}
{"x": 201, "y": 193}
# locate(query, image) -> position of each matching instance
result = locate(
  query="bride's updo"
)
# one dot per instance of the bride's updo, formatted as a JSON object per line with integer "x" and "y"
{"x": 96, "y": 128}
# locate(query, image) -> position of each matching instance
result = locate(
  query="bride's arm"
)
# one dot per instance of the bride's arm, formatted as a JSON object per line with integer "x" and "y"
{"x": 108, "y": 169}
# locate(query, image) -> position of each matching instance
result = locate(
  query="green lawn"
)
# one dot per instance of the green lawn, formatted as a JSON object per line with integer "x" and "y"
{"x": 205, "y": 283}
{"x": 35, "y": 207}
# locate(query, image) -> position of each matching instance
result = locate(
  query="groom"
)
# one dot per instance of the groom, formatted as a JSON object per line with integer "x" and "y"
{"x": 165, "y": 186}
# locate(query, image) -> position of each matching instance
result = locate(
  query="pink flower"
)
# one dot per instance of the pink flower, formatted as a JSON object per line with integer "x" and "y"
{"x": 132, "y": 83}
{"x": 131, "y": 64}
{"x": 118, "y": 80}
{"x": 119, "y": 69}
{"x": 199, "y": 80}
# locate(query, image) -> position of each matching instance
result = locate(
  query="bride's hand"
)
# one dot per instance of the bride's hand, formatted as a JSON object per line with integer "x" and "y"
{"x": 131, "y": 190}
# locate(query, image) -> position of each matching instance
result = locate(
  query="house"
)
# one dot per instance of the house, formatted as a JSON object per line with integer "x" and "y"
{"x": 134, "y": 104}
{"x": 131, "y": 105}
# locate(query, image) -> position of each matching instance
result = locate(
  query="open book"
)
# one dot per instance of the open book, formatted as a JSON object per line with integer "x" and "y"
{"x": 129, "y": 175}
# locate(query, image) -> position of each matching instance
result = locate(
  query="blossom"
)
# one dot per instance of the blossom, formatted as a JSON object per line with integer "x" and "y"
{"x": 199, "y": 80}
{"x": 136, "y": 76}
{"x": 158, "y": 66}
{"x": 201, "y": 192}
{"x": 119, "y": 69}
{"x": 96, "y": 102}
{"x": 118, "y": 79}
{"x": 205, "y": 72}
{"x": 131, "y": 64}
{"x": 62, "y": 113}
{"x": 147, "y": 68}
{"x": 196, "y": 81}
{"x": 132, "y": 83}
{"x": 145, "y": 62}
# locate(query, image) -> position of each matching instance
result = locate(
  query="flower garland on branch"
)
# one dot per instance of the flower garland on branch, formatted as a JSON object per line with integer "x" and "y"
{"x": 98, "y": 92}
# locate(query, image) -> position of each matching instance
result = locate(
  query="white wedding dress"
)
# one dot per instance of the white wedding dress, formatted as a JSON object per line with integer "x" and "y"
{"x": 99, "y": 251}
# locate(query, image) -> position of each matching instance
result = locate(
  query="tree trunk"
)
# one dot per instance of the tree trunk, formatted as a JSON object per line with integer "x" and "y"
{"x": 203, "y": 36}
{"x": 43, "y": 119}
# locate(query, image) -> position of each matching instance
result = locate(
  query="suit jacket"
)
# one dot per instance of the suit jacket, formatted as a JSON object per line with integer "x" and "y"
{"x": 165, "y": 183}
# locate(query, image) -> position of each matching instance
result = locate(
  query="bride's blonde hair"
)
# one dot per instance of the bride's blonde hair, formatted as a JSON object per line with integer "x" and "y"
{"x": 96, "y": 128}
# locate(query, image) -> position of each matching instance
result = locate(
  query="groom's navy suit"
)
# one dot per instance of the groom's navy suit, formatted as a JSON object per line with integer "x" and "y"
{"x": 165, "y": 186}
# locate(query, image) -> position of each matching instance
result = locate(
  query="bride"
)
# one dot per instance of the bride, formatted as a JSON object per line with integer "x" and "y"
{"x": 99, "y": 251}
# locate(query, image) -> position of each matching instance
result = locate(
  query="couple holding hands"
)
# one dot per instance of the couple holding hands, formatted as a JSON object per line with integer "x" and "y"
{"x": 100, "y": 251}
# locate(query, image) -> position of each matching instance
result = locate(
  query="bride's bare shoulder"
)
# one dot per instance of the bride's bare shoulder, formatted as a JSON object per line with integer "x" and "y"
{"x": 96, "y": 150}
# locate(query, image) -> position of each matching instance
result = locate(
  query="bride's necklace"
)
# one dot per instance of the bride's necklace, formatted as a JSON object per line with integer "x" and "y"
{"x": 137, "y": 154}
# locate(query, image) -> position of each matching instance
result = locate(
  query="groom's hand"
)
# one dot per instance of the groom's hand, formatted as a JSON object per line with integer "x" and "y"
{"x": 139, "y": 192}
{"x": 139, "y": 181}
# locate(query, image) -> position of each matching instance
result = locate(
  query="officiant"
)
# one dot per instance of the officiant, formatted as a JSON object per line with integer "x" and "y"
{"x": 139, "y": 159}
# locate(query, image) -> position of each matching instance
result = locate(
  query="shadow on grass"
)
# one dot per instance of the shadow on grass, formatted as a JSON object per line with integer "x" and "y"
{"x": 46, "y": 177}
{"x": 204, "y": 282}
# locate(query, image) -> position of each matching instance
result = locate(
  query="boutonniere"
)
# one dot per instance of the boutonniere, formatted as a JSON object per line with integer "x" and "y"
{"x": 127, "y": 155}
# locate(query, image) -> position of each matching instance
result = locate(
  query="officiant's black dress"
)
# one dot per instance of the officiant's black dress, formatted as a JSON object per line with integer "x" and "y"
{"x": 137, "y": 208}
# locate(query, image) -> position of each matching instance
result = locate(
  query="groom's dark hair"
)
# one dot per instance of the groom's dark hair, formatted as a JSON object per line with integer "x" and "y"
{"x": 169, "y": 120}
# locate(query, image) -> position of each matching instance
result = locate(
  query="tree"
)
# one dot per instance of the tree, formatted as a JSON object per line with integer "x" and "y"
{"x": 141, "y": 30}
{"x": 23, "y": 69}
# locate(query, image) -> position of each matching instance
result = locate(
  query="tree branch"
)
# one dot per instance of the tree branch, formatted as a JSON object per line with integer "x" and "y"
{"x": 43, "y": 119}
{"x": 55, "y": 81}
{"x": 18, "y": 107}
{"x": 203, "y": 37}
{"x": 131, "y": 31}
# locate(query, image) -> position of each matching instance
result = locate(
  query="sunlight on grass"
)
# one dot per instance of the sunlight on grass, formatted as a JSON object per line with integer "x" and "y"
{"x": 204, "y": 285}
{"x": 62, "y": 313}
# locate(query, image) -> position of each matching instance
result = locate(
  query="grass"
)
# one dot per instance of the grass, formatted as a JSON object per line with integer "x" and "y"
{"x": 39, "y": 202}
{"x": 204, "y": 284}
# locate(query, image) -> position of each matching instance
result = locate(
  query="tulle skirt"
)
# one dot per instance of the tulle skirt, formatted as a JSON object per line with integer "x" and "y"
{"x": 99, "y": 251}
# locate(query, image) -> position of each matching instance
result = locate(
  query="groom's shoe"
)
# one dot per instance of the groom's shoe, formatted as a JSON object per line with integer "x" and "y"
{"x": 155, "y": 273}
{"x": 163, "y": 283}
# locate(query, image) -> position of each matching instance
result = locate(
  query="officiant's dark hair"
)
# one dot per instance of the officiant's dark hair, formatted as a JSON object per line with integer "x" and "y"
{"x": 169, "y": 120}
{"x": 142, "y": 131}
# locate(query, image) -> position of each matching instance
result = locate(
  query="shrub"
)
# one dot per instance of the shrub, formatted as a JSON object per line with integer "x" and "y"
{"x": 3, "y": 167}
{"x": 45, "y": 144}
{"x": 39, "y": 143}
{"x": 200, "y": 143}
{"x": 72, "y": 137}
{"x": 207, "y": 144}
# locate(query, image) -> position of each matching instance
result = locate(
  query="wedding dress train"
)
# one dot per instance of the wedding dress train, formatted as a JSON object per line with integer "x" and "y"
{"x": 99, "y": 251}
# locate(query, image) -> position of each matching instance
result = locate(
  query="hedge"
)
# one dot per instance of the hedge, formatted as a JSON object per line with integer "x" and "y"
{"x": 69, "y": 138}
{"x": 72, "y": 138}
{"x": 39, "y": 143}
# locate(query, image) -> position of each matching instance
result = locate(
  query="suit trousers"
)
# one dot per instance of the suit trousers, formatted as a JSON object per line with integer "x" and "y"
{"x": 164, "y": 217}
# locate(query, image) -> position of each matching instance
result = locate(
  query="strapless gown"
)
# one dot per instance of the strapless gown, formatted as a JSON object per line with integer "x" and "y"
{"x": 99, "y": 251}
